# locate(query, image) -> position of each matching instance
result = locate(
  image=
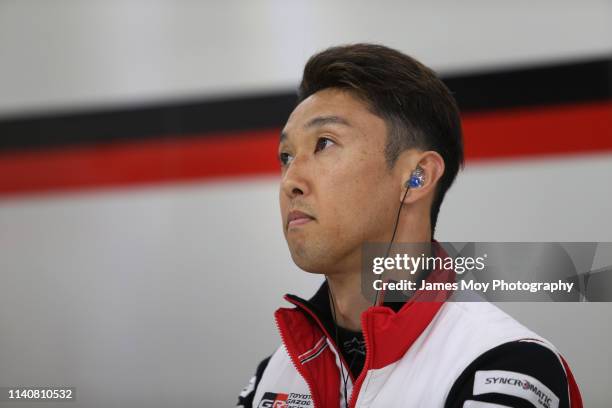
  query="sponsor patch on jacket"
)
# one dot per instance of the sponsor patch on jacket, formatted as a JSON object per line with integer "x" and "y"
{"x": 280, "y": 400}
{"x": 515, "y": 384}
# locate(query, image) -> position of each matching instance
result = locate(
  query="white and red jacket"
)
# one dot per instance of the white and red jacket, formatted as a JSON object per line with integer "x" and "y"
{"x": 423, "y": 354}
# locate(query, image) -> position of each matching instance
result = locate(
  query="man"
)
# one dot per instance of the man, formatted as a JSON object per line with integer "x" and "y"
{"x": 367, "y": 156}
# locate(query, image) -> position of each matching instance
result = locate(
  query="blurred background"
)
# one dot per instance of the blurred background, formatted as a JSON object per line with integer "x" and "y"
{"x": 141, "y": 251}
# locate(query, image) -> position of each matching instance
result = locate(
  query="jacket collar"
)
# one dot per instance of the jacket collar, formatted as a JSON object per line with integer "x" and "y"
{"x": 396, "y": 325}
{"x": 389, "y": 331}
{"x": 319, "y": 306}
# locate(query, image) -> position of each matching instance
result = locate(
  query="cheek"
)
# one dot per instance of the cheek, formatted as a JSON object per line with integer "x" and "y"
{"x": 355, "y": 194}
{"x": 282, "y": 200}
{"x": 373, "y": 194}
{"x": 284, "y": 205}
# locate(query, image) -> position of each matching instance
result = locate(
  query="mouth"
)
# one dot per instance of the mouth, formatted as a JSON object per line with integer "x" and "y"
{"x": 298, "y": 218}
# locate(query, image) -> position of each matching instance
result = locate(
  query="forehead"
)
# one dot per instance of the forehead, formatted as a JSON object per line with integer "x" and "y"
{"x": 334, "y": 103}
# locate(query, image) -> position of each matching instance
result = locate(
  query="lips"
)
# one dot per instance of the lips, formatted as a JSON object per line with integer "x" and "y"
{"x": 297, "y": 218}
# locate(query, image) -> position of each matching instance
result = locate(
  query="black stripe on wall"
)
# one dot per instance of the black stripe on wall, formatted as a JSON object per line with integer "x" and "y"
{"x": 589, "y": 81}
{"x": 586, "y": 81}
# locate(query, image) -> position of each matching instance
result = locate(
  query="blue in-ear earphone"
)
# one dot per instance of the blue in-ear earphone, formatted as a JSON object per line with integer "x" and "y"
{"x": 417, "y": 178}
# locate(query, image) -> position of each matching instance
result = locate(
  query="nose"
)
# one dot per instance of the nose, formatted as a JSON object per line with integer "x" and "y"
{"x": 295, "y": 180}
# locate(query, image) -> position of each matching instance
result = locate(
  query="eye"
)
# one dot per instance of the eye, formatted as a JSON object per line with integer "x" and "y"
{"x": 285, "y": 158}
{"x": 323, "y": 143}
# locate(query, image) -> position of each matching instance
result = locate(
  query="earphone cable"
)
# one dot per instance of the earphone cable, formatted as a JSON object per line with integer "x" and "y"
{"x": 333, "y": 308}
{"x": 399, "y": 211}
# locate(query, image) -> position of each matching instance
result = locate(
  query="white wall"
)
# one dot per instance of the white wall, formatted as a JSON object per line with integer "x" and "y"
{"x": 170, "y": 290}
{"x": 123, "y": 293}
{"x": 73, "y": 53}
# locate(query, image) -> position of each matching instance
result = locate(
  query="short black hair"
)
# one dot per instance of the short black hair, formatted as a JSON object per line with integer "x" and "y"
{"x": 418, "y": 108}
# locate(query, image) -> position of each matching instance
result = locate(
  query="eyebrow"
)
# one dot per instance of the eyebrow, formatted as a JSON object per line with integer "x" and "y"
{"x": 321, "y": 121}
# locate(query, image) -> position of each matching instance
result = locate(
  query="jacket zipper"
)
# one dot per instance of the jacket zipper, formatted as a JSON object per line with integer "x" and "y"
{"x": 324, "y": 330}
{"x": 296, "y": 363}
{"x": 337, "y": 352}
{"x": 366, "y": 366}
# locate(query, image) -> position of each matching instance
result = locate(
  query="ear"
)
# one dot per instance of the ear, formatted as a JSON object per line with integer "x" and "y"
{"x": 432, "y": 165}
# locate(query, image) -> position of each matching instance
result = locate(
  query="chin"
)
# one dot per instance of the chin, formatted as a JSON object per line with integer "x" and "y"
{"x": 309, "y": 260}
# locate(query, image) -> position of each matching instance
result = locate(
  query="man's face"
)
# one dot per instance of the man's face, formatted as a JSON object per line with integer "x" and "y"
{"x": 336, "y": 190}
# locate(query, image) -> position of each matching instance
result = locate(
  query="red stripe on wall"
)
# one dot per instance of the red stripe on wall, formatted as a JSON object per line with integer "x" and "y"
{"x": 158, "y": 161}
{"x": 539, "y": 132}
{"x": 495, "y": 135}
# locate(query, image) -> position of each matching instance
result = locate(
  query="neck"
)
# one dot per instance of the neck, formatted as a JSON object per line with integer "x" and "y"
{"x": 347, "y": 300}
{"x": 345, "y": 286}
